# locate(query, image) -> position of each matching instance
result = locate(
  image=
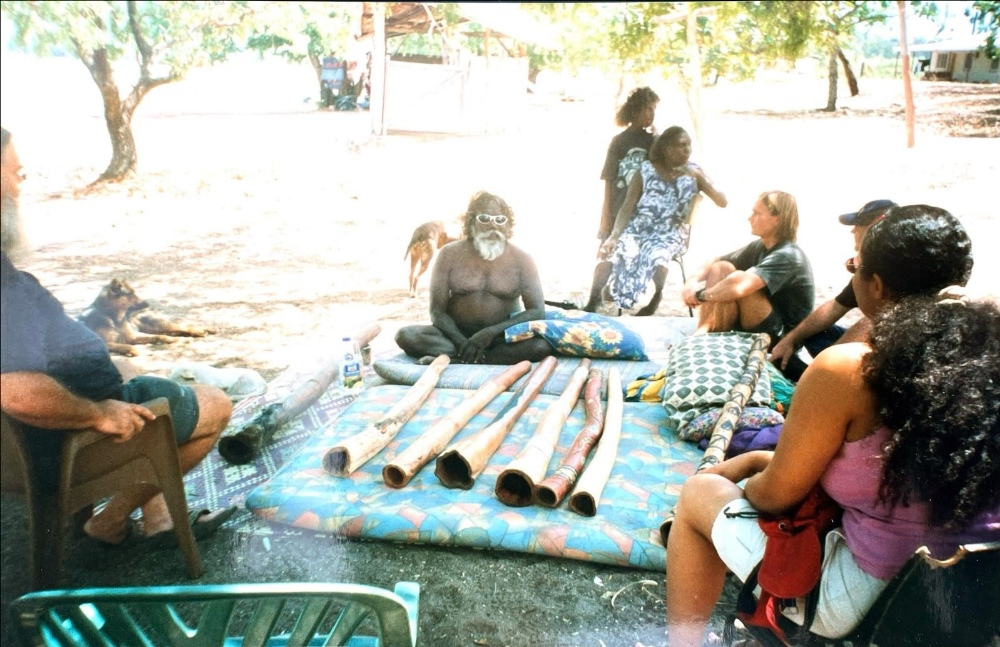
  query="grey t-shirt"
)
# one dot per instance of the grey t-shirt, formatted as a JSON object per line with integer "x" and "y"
{"x": 787, "y": 276}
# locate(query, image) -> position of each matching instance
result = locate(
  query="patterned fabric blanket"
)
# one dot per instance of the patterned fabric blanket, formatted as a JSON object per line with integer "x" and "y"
{"x": 643, "y": 487}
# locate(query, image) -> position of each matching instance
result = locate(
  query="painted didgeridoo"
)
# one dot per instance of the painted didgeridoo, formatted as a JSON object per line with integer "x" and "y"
{"x": 516, "y": 484}
{"x": 242, "y": 447}
{"x": 587, "y": 493}
{"x": 404, "y": 466}
{"x": 723, "y": 430}
{"x": 461, "y": 463}
{"x": 553, "y": 489}
{"x": 353, "y": 452}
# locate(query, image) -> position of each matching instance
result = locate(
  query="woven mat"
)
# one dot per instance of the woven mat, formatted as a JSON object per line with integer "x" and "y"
{"x": 643, "y": 487}
{"x": 215, "y": 483}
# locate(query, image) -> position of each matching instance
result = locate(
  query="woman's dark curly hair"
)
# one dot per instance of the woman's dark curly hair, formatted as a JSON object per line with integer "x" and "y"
{"x": 935, "y": 372}
{"x": 917, "y": 249}
{"x": 637, "y": 100}
{"x": 482, "y": 201}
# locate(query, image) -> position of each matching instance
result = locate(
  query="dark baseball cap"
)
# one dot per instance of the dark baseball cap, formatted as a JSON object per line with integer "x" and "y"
{"x": 867, "y": 214}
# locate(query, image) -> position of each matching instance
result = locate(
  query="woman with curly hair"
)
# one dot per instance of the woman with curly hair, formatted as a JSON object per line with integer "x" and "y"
{"x": 627, "y": 151}
{"x": 903, "y": 432}
{"x": 652, "y": 226}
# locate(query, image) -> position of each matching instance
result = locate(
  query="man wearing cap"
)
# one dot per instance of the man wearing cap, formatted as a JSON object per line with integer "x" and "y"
{"x": 819, "y": 330}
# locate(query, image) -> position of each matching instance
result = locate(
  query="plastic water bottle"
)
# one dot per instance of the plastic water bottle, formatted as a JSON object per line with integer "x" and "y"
{"x": 350, "y": 376}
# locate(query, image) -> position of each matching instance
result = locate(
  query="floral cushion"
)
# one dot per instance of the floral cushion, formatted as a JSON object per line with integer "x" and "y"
{"x": 582, "y": 334}
{"x": 750, "y": 418}
{"x": 701, "y": 373}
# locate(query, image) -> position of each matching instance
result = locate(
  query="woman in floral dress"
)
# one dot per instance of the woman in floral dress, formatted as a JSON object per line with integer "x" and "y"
{"x": 652, "y": 227}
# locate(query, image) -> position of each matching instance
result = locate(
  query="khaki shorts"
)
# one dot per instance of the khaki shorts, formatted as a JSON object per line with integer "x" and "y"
{"x": 846, "y": 592}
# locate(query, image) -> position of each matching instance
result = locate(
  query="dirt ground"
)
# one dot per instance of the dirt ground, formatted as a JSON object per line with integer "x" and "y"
{"x": 284, "y": 226}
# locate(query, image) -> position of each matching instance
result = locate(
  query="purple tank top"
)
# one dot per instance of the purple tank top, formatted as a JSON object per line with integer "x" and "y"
{"x": 883, "y": 539}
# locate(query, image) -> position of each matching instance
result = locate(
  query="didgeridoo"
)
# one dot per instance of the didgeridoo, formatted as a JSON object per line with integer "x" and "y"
{"x": 587, "y": 493}
{"x": 553, "y": 489}
{"x": 460, "y": 464}
{"x": 516, "y": 483}
{"x": 355, "y": 451}
{"x": 723, "y": 430}
{"x": 399, "y": 472}
{"x": 242, "y": 447}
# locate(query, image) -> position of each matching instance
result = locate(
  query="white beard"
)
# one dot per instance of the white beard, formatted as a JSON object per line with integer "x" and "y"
{"x": 490, "y": 245}
{"x": 12, "y": 239}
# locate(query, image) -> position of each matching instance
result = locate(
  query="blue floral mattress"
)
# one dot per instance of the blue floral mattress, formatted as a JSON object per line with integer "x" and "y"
{"x": 643, "y": 487}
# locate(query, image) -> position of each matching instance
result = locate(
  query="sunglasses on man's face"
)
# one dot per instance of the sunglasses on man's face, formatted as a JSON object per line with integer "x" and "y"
{"x": 485, "y": 219}
{"x": 852, "y": 265}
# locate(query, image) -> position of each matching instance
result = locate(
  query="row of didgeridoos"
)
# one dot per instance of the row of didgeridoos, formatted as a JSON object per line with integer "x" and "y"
{"x": 458, "y": 465}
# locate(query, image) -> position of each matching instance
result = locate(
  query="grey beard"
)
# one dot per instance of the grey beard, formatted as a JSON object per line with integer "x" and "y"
{"x": 490, "y": 245}
{"x": 12, "y": 239}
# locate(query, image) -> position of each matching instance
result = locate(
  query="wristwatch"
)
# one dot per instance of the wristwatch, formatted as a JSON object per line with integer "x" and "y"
{"x": 700, "y": 295}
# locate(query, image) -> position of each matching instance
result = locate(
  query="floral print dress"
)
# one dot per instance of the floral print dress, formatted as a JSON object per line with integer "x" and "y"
{"x": 657, "y": 233}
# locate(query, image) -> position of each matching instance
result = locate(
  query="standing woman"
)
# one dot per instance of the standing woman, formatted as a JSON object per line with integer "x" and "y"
{"x": 628, "y": 150}
{"x": 651, "y": 227}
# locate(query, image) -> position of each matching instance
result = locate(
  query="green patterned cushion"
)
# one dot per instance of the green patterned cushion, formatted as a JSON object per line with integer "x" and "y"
{"x": 702, "y": 371}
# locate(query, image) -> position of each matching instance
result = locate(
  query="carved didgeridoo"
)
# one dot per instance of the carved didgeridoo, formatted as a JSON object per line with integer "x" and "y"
{"x": 461, "y": 463}
{"x": 399, "y": 472}
{"x": 553, "y": 489}
{"x": 353, "y": 452}
{"x": 516, "y": 483}
{"x": 724, "y": 428}
{"x": 587, "y": 493}
{"x": 242, "y": 447}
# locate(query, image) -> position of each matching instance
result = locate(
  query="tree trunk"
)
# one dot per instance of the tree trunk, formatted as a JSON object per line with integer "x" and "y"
{"x": 117, "y": 117}
{"x": 852, "y": 81}
{"x": 317, "y": 64}
{"x": 831, "y": 93}
{"x": 907, "y": 84}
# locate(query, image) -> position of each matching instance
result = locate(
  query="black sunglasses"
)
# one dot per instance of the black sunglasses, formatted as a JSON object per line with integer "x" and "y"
{"x": 851, "y": 266}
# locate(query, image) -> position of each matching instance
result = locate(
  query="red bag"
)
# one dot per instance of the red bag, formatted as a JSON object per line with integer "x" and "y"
{"x": 790, "y": 568}
{"x": 793, "y": 555}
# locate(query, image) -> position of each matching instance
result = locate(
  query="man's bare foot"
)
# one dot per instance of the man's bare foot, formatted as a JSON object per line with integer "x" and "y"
{"x": 108, "y": 531}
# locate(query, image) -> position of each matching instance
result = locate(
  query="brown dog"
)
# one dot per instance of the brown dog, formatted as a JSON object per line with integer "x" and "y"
{"x": 426, "y": 239}
{"x": 120, "y": 318}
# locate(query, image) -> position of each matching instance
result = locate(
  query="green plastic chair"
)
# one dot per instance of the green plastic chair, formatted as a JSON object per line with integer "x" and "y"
{"x": 221, "y": 615}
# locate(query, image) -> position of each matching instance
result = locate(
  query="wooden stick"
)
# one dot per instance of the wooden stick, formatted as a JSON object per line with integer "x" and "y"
{"x": 460, "y": 464}
{"x": 355, "y": 451}
{"x": 242, "y": 447}
{"x": 516, "y": 484}
{"x": 399, "y": 472}
{"x": 587, "y": 493}
{"x": 553, "y": 489}
{"x": 724, "y": 428}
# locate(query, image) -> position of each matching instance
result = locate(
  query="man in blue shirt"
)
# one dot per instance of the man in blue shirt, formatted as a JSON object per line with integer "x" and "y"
{"x": 56, "y": 374}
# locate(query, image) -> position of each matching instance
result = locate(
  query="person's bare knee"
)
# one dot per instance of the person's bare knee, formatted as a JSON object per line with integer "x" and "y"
{"x": 718, "y": 271}
{"x": 214, "y": 411}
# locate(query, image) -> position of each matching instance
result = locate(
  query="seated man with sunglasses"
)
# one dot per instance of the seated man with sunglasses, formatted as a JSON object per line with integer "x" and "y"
{"x": 477, "y": 289}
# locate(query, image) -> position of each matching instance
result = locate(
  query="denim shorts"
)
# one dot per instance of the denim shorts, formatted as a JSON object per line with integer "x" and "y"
{"x": 183, "y": 402}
